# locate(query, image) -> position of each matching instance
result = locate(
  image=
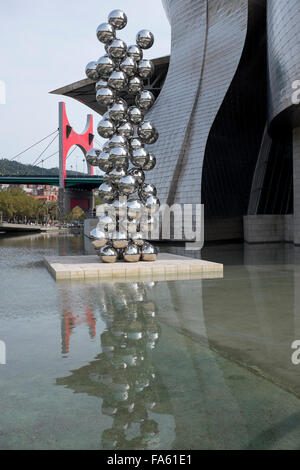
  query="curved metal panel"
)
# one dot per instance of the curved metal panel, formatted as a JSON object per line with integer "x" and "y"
{"x": 207, "y": 43}
{"x": 283, "y": 20}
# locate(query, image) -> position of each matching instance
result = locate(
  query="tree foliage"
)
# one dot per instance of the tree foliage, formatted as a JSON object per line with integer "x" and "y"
{"x": 16, "y": 205}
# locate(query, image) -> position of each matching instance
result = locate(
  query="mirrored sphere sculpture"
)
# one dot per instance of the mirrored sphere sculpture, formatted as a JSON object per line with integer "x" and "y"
{"x": 121, "y": 71}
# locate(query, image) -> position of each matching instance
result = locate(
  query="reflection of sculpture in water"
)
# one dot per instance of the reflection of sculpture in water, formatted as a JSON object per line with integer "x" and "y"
{"x": 123, "y": 374}
{"x": 70, "y": 321}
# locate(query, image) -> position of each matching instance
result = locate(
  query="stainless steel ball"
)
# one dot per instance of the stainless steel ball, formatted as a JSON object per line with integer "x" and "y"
{"x": 138, "y": 174}
{"x": 126, "y": 129}
{"x": 135, "y": 85}
{"x": 105, "y": 32}
{"x": 147, "y": 225}
{"x": 106, "y": 96}
{"x": 119, "y": 240}
{"x": 108, "y": 254}
{"x": 139, "y": 157}
{"x": 118, "y": 19}
{"x": 107, "y": 192}
{"x": 148, "y": 252}
{"x": 135, "y": 52}
{"x": 105, "y": 66}
{"x": 116, "y": 174}
{"x": 118, "y": 80}
{"x": 106, "y": 223}
{"x": 145, "y": 68}
{"x": 129, "y": 66}
{"x": 106, "y": 128}
{"x": 91, "y": 156}
{"x": 105, "y": 147}
{"x": 147, "y": 190}
{"x": 91, "y": 71}
{"x": 98, "y": 242}
{"x": 146, "y": 131}
{"x": 151, "y": 163}
{"x": 118, "y": 111}
{"x": 119, "y": 157}
{"x": 135, "y": 143}
{"x": 127, "y": 185}
{"x": 152, "y": 204}
{"x": 118, "y": 141}
{"x": 132, "y": 253}
{"x": 145, "y": 100}
{"x": 135, "y": 115}
{"x": 101, "y": 84}
{"x": 98, "y": 234}
{"x": 103, "y": 162}
{"x": 134, "y": 209}
{"x": 154, "y": 138}
{"x": 137, "y": 239}
{"x": 117, "y": 49}
{"x": 145, "y": 39}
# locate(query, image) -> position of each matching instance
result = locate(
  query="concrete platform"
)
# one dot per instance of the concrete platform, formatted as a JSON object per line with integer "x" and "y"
{"x": 167, "y": 267}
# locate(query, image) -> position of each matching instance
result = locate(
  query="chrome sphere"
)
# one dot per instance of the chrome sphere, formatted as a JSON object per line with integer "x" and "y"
{"x": 147, "y": 190}
{"x": 99, "y": 242}
{"x": 152, "y": 204}
{"x": 154, "y": 138}
{"x": 135, "y": 52}
{"x": 119, "y": 157}
{"x": 105, "y": 66}
{"x": 117, "y": 49}
{"x": 145, "y": 68}
{"x": 146, "y": 131}
{"x": 135, "y": 115}
{"x": 149, "y": 252}
{"x": 116, "y": 174}
{"x": 98, "y": 234}
{"x": 105, "y": 96}
{"x": 132, "y": 226}
{"x": 105, "y": 33}
{"x": 118, "y": 80}
{"x": 119, "y": 207}
{"x": 128, "y": 66}
{"x": 106, "y": 128}
{"x": 107, "y": 192}
{"x": 127, "y": 185}
{"x": 132, "y": 253}
{"x": 139, "y": 157}
{"x": 118, "y": 141}
{"x": 137, "y": 239}
{"x": 135, "y": 85}
{"x": 108, "y": 254}
{"x": 91, "y": 156}
{"x": 106, "y": 223}
{"x": 126, "y": 130}
{"x": 145, "y": 39}
{"x": 91, "y": 71}
{"x": 135, "y": 143}
{"x": 134, "y": 209}
{"x": 119, "y": 240}
{"x": 101, "y": 84}
{"x": 118, "y": 111}
{"x": 151, "y": 163}
{"x": 138, "y": 174}
{"x": 104, "y": 162}
{"x": 118, "y": 19}
{"x": 145, "y": 100}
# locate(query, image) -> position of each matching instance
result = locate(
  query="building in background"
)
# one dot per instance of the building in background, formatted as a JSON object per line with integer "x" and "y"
{"x": 227, "y": 116}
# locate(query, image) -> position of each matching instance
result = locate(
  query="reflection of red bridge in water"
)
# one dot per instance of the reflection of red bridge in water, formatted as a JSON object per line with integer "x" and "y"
{"x": 70, "y": 321}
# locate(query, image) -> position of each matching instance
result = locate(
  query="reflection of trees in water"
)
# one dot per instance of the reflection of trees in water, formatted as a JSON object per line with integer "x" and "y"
{"x": 123, "y": 374}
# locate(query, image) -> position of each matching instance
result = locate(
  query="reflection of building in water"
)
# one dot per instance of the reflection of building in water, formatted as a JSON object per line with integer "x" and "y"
{"x": 123, "y": 374}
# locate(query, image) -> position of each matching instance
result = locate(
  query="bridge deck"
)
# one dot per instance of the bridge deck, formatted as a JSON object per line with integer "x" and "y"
{"x": 81, "y": 182}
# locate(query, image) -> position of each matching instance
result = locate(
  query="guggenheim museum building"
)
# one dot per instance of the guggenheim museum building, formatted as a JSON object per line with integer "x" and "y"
{"x": 228, "y": 115}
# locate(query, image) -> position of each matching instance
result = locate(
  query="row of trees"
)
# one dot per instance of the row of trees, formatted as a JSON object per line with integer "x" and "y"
{"x": 18, "y": 206}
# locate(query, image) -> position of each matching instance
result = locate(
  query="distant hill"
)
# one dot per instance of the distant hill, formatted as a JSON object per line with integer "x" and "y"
{"x": 8, "y": 167}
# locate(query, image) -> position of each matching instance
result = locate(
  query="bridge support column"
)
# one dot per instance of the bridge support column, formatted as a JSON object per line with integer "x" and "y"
{"x": 70, "y": 198}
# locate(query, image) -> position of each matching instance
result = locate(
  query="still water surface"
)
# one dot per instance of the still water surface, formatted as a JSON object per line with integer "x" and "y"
{"x": 199, "y": 364}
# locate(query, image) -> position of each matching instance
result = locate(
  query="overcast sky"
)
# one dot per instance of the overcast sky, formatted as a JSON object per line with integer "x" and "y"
{"x": 46, "y": 44}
